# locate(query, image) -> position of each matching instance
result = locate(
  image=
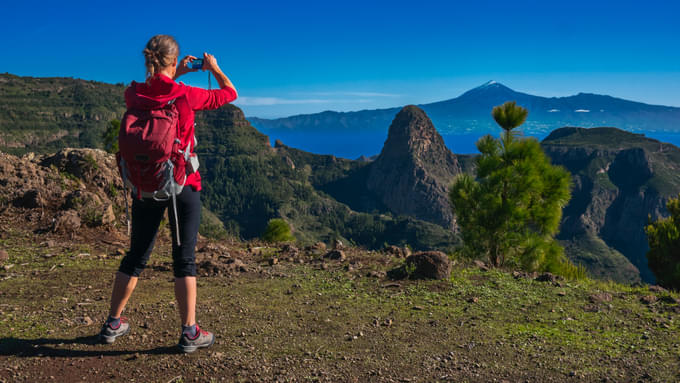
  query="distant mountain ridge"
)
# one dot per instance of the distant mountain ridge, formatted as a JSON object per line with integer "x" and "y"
{"x": 463, "y": 119}
{"x": 469, "y": 112}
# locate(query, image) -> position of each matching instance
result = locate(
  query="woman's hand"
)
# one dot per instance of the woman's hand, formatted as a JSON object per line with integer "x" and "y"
{"x": 210, "y": 62}
{"x": 183, "y": 66}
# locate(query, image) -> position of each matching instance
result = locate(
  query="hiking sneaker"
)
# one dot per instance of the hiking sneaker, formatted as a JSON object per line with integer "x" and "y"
{"x": 202, "y": 339}
{"x": 110, "y": 333}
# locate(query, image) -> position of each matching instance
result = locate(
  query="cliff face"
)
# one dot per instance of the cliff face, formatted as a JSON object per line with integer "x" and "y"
{"x": 414, "y": 169}
{"x": 620, "y": 179}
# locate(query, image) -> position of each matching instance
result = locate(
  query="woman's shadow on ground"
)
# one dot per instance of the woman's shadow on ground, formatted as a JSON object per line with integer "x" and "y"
{"x": 55, "y": 347}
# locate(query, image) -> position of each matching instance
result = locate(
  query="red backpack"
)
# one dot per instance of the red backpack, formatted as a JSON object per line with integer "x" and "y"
{"x": 150, "y": 159}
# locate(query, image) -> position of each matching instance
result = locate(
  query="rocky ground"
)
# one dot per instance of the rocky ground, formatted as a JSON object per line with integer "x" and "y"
{"x": 295, "y": 315}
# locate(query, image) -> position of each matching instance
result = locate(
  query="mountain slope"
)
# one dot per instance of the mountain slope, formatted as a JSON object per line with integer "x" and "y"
{"x": 247, "y": 182}
{"x": 620, "y": 179}
{"x": 46, "y": 114}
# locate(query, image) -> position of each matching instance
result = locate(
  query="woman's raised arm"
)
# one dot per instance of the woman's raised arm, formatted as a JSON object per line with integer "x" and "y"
{"x": 210, "y": 63}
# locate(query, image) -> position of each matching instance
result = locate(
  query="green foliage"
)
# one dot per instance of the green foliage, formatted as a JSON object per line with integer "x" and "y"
{"x": 110, "y": 136}
{"x": 113, "y": 192}
{"x": 512, "y": 212}
{"x": 92, "y": 217}
{"x": 211, "y": 226}
{"x": 664, "y": 246}
{"x": 277, "y": 230}
{"x": 509, "y": 115}
{"x": 53, "y": 113}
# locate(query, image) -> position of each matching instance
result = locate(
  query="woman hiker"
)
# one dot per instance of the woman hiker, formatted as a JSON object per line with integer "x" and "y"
{"x": 159, "y": 90}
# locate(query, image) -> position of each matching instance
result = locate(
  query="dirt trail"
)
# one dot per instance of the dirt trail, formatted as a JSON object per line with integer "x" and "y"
{"x": 303, "y": 318}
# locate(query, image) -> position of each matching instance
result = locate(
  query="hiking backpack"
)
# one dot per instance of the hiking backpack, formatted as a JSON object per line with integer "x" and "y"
{"x": 150, "y": 159}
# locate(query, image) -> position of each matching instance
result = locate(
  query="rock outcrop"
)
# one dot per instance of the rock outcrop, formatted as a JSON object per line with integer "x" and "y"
{"x": 620, "y": 179}
{"x": 63, "y": 192}
{"x": 423, "y": 265}
{"x": 414, "y": 169}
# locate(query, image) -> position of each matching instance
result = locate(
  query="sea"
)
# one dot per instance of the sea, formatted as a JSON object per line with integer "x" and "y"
{"x": 368, "y": 144}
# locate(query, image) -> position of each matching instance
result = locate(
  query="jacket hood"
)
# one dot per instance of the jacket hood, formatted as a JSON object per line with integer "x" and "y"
{"x": 153, "y": 94}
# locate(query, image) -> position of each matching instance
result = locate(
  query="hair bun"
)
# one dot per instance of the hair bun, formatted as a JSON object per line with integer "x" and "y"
{"x": 160, "y": 52}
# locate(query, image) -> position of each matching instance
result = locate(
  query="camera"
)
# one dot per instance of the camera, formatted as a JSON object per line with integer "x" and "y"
{"x": 196, "y": 64}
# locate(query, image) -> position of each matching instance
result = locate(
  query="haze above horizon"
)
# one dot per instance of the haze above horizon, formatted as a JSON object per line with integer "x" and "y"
{"x": 303, "y": 57}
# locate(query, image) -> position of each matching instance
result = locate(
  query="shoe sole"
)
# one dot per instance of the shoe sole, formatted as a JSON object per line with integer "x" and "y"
{"x": 112, "y": 338}
{"x": 190, "y": 349}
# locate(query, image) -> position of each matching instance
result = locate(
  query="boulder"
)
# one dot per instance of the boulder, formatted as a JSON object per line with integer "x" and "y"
{"x": 423, "y": 265}
{"x": 336, "y": 255}
{"x": 66, "y": 222}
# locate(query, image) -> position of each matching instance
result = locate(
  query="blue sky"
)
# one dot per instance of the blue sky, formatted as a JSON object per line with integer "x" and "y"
{"x": 290, "y": 57}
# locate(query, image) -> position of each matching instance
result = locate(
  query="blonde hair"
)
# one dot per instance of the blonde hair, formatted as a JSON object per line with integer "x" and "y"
{"x": 160, "y": 52}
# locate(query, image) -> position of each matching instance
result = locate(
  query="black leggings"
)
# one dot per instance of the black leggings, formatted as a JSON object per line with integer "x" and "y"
{"x": 146, "y": 217}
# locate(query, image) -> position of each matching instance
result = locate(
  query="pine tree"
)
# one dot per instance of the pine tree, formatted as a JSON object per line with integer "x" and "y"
{"x": 511, "y": 212}
{"x": 664, "y": 247}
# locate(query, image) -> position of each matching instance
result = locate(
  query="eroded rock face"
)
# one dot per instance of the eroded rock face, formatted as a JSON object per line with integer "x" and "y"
{"x": 620, "y": 179}
{"x": 413, "y": 172}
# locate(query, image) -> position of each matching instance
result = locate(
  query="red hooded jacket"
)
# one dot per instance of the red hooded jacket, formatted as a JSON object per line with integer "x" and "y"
{"x": 160, "y": 89}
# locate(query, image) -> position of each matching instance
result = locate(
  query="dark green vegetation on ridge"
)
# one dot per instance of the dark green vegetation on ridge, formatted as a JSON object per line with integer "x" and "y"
{"x": 46, "y": 114}
{"x": 619, "y": 177}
